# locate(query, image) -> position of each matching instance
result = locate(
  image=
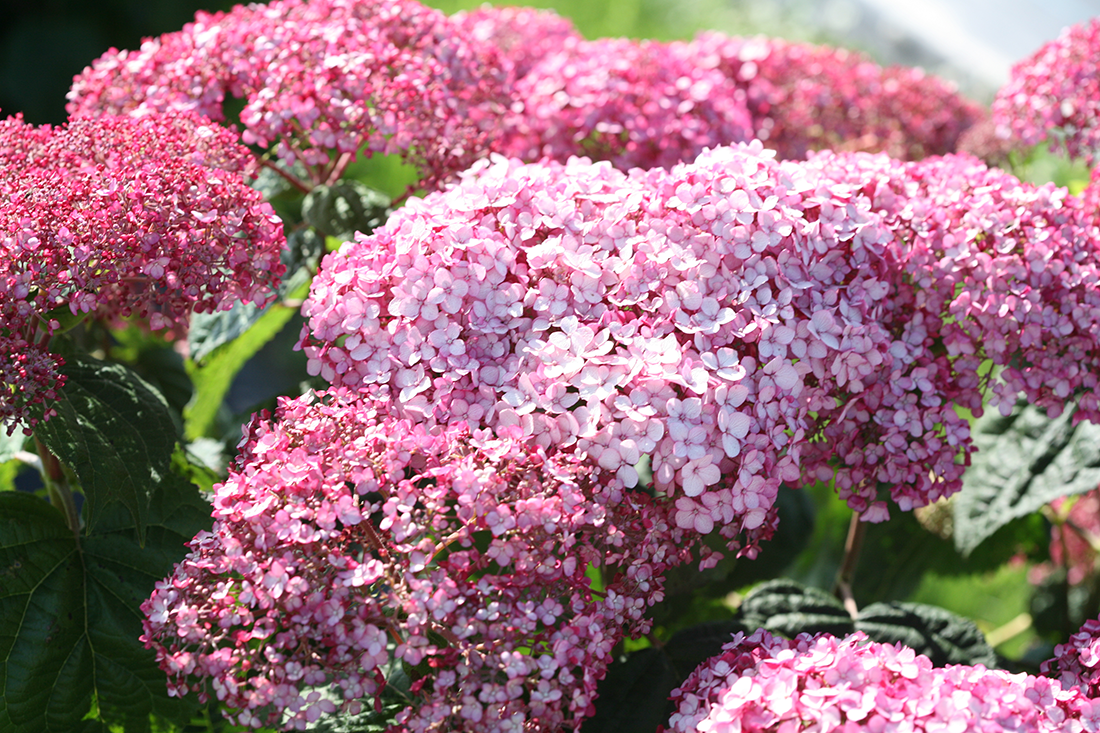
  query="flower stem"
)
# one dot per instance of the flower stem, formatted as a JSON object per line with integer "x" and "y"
{"x": 857, "y": 529}
{"x": 58, "y": 488}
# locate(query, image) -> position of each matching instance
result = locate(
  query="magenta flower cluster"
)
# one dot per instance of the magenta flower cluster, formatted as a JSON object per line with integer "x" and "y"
{"x": 636, "y": 103}
{"x": 720, "y": 316}
{"x": 1054, "y": 94}
{"x": 345, "y": 538}
{"x": 803, "y": 97}
{"x": 1076, "y": 664}
{"x": 321, "y": 81}
{"x": 115, "y": 217}
{"x": 766, "y": 684}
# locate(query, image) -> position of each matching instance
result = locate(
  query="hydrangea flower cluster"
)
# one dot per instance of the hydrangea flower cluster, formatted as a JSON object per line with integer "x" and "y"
{"x": 1076, "y": 664}
{"x": 115, "y": 217}
{"x": 738, "y": 320}
{"x": 803, "y": 97}
{"x": 321, "y": 81}
{"x": 524, "y": 36}
{"x": 636, "y": 103}
{"x": 764, "y": 683}
{"x": 1072, "y": 544}
{"x": 1054, "y": 94}
{"x": 983, "y": 267}
{"x": 344, "y": 537}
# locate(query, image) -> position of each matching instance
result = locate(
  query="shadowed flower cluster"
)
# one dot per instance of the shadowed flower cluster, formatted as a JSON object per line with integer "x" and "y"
{"x": 345, "y": 539}
{"x": 320, "y": 81}
{"x": 115, "y": 217}
{"x": 764, "y": 683}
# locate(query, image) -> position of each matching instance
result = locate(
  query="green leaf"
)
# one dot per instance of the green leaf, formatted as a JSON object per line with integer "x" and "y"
{"x": 115, "y": 431}
{"x": 788, "y": 608}
{"x": 942, "y": 636}
{"x": 213, "y": 378}
{"x": 1023, "y": 461}
{"x": 69, "y": 616}
{"x": 633, "y": 697}
{"x": 344, "y": 208}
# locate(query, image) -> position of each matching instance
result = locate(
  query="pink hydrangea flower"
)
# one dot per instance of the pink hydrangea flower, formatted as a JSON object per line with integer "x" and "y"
{"x": 345, "y": 538}
{"x": 981, "y": 267}
{"x": 524, "y": 36}
{"x": 115, "y": 217}
{"x": 1076, "y": 664}
{"x": 321, "y": 81}
{"x": 803, "y": 97}
{"x": 1054, "y": 94}
{"x": 635, "y": 103}
{"x": 769, "y": 321}
{"x": 761, "y": 683}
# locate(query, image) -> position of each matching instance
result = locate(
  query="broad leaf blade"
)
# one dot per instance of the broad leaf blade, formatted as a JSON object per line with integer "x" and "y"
{"x": 633, "y": 697}
{"x": 1023, "y": 461}
{"x": 69, "y": 616}
{"x": 344, "y": 208}
{"x": 116, "y": 432}
{"x": 789, "y": 608}
{"x": 942, "y": 636}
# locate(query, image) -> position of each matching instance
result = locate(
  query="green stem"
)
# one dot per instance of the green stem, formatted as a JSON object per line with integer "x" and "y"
{"x": 857, "y": 530}
{"x": 58, "y": 487}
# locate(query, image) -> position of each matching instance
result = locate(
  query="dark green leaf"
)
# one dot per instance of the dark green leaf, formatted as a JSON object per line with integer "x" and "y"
{"x": 789, "y": 608}
{"x": 942, "y": 636}
{"x": 344, "y": 208}
{"x": 1024, "y": 461}
{"x": 690, "y": 647}
{"x": 69, "y": 617}
{"x": 633, "y": 697}
{"x": 115, "y": 431}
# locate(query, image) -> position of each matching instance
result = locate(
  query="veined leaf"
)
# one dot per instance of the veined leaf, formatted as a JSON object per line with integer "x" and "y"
{"x": 1023, "y": 461}
{"x": 69, "y": 616}
{"x": 115, "y": 431}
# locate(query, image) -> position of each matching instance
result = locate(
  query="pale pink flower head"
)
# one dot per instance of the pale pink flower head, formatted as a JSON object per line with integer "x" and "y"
{"x": 114, "y": 217}
{"x": 1054, "y": 94}
{"x": 346, "y": 540}
{"x": 766, "y": 684}
{"x": 320, "y": 80}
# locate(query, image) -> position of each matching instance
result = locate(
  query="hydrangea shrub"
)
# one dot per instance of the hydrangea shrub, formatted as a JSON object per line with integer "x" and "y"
{"x": 648, "y": 285}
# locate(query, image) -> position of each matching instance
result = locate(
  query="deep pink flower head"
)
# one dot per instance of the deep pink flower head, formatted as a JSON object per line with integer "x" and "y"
{"x": 636, "y": 103}
{"x": 319, "y": 80}
{"x": 1054, "y": 94}
{"x": 766, "y": 684}
{"x": 803, "y": 97}
{"x": 524, "y": 36}
{"x": 116, "y": 216}
{"x": 1076, "y": 664}
{"x": 345, "y": 538}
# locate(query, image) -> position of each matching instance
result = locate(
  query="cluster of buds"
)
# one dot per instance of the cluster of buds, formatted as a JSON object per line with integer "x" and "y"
{"x": 321, "y": 82}
{"x": 764, "y": 683}
{"x": 346, "y": 540}
{"x": 114, "y": 217}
